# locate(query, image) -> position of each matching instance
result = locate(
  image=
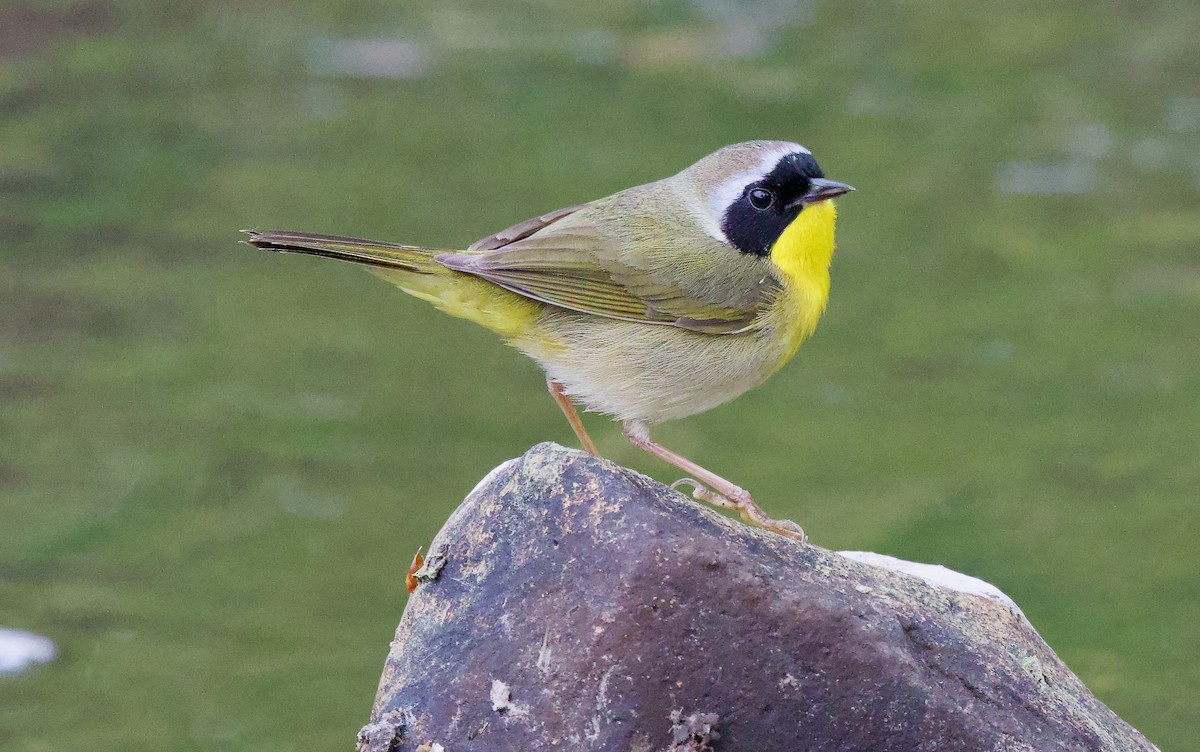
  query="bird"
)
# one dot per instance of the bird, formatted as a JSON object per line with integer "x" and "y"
{"x": 657, "y": 302}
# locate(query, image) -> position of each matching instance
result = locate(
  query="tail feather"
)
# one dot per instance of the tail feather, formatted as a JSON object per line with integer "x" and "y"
{"x": 407, "y": 258}
{"x": 416, "y": 271}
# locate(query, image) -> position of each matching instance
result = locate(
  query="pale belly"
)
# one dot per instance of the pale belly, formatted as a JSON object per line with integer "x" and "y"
{"x": 649, "y": 372}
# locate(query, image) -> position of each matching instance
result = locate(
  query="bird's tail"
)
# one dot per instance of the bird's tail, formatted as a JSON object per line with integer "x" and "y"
{"x": 416, "y": 271}
{"x": 408, "y": 258}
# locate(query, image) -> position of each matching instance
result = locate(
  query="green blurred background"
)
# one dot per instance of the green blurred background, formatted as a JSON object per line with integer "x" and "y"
{"x": 216, "y": 464}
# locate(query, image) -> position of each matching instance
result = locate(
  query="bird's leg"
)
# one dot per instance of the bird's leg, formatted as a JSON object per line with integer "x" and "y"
{"x": 708, "y": 486}
{"x": 564, "y": 403}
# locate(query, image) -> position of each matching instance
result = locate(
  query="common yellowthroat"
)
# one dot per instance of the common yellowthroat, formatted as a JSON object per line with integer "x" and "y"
{"x": 658, "y": 302}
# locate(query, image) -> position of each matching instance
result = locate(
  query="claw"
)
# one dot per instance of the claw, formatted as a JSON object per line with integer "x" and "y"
{"x": 744, "y": 504}
{"x": 695, "y": 484}
{"x": 700, "y": 492}
{"x": 786, "y": 528}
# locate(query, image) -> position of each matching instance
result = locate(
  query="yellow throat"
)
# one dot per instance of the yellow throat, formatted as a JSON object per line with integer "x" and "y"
{"x": 802, "y": 254}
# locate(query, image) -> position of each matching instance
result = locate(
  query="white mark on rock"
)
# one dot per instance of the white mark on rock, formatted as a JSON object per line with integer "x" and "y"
{"x": 544, "y": 653}
{"x": 384, "y": 732}
{"x": 490, "y": 477}
{"x": 937, "y": 576}
{"x": 789, "y": 681}
{"x": 1033, "y": 668}
{"x": 501, "y": 696}
{"x": 592, "y": 732}
{"x": 602, "y": 696}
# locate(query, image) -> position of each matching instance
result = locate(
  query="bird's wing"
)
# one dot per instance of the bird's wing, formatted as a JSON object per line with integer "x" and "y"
{"x": 570, "y": 264}
{"x": 522, "y": 230}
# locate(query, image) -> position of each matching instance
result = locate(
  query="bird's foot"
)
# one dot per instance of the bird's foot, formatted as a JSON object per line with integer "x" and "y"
{"x": 739, "y": 499}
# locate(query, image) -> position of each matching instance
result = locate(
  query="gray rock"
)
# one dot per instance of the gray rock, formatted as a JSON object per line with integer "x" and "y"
{"x": 21, "y": 650}
{"x": 581, "y": 606}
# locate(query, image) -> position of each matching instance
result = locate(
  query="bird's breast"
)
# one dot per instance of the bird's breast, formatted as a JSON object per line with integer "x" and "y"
{"x": 802, "y": 255}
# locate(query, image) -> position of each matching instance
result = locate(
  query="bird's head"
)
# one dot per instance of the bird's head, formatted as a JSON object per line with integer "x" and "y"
{"x": 751, "y": 193}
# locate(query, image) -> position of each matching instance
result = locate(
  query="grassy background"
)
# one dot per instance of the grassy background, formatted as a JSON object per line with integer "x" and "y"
{"x": 215, "y": 464}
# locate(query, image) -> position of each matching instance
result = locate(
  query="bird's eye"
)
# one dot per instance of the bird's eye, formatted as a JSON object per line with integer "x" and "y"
{"x": 761, "y": 198}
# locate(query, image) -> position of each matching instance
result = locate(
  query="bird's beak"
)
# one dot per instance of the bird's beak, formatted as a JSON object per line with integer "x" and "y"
{"x": 820, "y": 189}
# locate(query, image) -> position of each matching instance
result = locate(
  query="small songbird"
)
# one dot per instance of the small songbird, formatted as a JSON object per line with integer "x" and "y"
{"x": 657, "y": 302}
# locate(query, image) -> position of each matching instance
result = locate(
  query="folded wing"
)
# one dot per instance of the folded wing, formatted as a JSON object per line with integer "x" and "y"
{"x": 573, "y": 265}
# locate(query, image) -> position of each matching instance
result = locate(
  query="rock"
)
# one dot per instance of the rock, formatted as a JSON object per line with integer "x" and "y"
{"x": 21, "y": 650}
{"x": 581, "y": 606}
